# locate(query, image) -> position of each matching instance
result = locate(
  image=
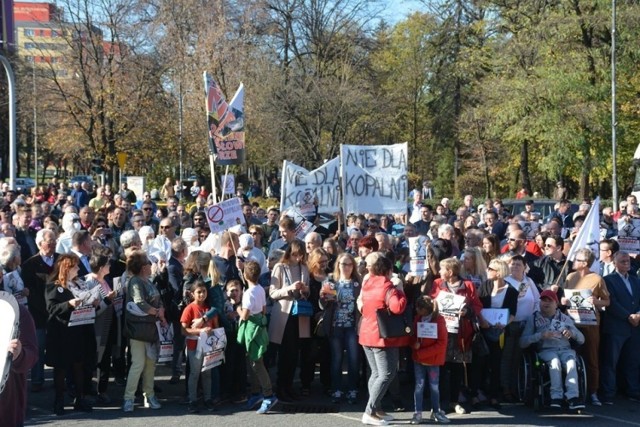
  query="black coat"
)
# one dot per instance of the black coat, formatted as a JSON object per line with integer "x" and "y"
{"x": 35, "y": 275}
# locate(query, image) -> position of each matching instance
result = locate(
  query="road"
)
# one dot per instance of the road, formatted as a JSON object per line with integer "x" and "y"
{"x": 622, "y": 413}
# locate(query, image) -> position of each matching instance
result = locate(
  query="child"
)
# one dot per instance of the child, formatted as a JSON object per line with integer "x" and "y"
{"x": 428, "y": 356}
{"x": 235, "y": 373}
{"x": 193, "y": 311}
{"x": 252, "y": 334}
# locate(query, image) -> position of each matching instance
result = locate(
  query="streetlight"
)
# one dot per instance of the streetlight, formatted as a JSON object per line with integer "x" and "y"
{"x": 614, "y": 148}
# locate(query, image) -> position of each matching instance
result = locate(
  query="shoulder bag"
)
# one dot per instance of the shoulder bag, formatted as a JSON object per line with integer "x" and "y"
{"x": 392, "y": 325}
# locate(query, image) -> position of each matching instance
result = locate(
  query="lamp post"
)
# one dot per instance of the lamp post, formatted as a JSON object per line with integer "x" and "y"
{"x": 614, "y": 123}
{"x": 12, "y": 121}
{"x": 180, "y": 118}
{"x": 35, "y": 121}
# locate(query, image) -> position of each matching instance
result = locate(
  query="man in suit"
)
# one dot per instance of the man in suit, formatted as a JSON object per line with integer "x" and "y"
{"x": 621, "y": 334}
{"x": 25, "y": 235}
{"x": 81, "y": 246}
{"x": 35, "y": 275}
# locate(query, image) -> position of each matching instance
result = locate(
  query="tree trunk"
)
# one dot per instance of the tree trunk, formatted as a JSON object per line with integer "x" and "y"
{"x": 525, "y": 178}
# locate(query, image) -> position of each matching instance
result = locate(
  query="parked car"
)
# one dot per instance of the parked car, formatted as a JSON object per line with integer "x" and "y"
{"x": 81, "y": 178}
{"x": 544, "y": 206}
{"x": 24, "y": 184}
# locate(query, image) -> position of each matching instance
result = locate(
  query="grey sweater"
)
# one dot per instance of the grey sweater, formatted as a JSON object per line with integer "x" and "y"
{"x": 537, "y": 324}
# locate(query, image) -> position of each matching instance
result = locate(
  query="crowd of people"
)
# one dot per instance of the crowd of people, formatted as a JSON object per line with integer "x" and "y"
{"x": 99, "y": 274}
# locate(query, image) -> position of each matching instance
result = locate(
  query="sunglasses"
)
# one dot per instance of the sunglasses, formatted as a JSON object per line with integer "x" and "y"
{"x": 165, "y": 227}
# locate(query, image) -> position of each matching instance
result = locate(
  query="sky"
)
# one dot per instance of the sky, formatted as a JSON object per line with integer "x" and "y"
{"x": 397, "y": 10}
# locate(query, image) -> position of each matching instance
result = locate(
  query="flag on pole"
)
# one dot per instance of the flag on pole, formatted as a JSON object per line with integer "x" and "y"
{"x": 589, "y": 236}
{"x": 225, "y": 122}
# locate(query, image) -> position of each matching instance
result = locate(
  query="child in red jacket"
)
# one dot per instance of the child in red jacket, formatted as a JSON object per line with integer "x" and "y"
{"x": 429, "y": 350}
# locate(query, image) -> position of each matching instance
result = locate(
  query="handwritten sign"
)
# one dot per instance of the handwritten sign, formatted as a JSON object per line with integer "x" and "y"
{"x": 83, "y": 315}
{"x": 225, "y": 215}
{"x": 495, "y": 316}
{"x": 211, "y": 347}
{"x": 301, "y": 187}
{"x": 374, "y": 178}
{"x": 427, "y": 330}
{"x": 449, "y": 305}
{"x": 225, "y": 123}
{"x": 418, "y": 255}
{"x": 581, "y": 311}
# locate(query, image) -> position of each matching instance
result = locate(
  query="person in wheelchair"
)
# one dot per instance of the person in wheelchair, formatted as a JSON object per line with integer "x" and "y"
{"x": 552, "y": 331}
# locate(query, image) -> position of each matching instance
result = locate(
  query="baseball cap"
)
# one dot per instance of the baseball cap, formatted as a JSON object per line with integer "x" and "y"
{"x": 549, "y": 294}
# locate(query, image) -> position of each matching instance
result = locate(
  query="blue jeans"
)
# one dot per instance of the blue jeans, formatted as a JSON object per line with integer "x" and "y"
{"x": 344, "y": 339}
{"x": 433, "y": 372}
{"x": 383, "y": 362}
{"x": 37, "y": 372}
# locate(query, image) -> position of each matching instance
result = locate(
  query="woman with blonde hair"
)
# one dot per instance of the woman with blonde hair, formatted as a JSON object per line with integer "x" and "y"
{"x": 474, "y": 267}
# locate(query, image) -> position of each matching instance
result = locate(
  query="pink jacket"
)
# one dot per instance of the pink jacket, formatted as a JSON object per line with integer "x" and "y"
{"x": 374, "y": 293}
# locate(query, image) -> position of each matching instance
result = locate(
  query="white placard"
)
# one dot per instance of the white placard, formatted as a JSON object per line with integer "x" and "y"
{"x": 225, "y": 215}
{"x": 581, "y": 311}
{"x": 83, "y": 315}
{"x": 136, "y": 184}
{"x": 449, "y": 305}
{"x": 302, "y": 187}
{"x": 374, "y": 178}
{"x": 427, "y": 330}
{"x": 495, "y": 316}
{"x": 229, "y": 185}
{"x": 9, "y": 323}
{"x": 212, "y": 348}
{"x": 303, "y": 227}
{"x": 165, "y": 333}
{"x": 418, "y": 255}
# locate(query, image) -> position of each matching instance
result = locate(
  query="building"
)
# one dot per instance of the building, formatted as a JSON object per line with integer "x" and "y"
{"x": 7, "y": 35}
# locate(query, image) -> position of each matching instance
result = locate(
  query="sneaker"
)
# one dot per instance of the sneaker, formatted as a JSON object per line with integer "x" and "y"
{"x": 383, "y": 415}
{"x": 254, "y": 400}
{"x": 416, "y": 419}
{"x": 575, "y": 403}
{"x": 193, "y": 408}
{"x": 439, "y": 417}
{"x": 152, "y": 402}
{"x": 373, "y": 420}
{"x": 209, "y": 405}
{"x": 459, "y": 409}
{"x": 267, "y": 404}
{"x": 174, "y": 379}
{"x": 336, "y": 396}
{"x": 556, "y": 403}
{"x": 127, "y": 406}
{"x": 352, "y": 397}
{"x": 594, "y": 400}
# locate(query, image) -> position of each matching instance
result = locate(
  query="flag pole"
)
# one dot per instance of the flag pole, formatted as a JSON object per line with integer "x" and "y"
{"x": 213, "y": 180}
{"x": 224, "y": 182}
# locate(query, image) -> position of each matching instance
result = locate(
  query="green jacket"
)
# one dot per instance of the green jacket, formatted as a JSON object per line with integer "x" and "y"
{"x": 252, "y": 333}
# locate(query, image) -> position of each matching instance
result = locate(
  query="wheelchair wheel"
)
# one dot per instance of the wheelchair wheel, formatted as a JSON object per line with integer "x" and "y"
{"x": 582, "y": 378}
{"x": 525, "y": 375}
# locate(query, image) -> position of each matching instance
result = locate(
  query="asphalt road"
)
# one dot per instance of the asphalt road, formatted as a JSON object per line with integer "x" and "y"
{"x": 174, "y": 413}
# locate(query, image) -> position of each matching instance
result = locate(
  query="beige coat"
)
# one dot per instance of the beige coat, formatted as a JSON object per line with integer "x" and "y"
{"x": 282, "y": 276}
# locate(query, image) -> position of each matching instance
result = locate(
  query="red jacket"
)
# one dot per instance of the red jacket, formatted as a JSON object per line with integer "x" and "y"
{"x": 374, "y": 296}
{"x": 465, "y": 332}
{"x": 431, "y": 351}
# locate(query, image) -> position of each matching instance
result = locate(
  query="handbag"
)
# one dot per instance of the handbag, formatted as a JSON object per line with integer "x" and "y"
{"x": 479, "y": 346}
{"x": 140, "y": 329}
{"x": 391, "y": 325}
{"x": 302, "y": 307}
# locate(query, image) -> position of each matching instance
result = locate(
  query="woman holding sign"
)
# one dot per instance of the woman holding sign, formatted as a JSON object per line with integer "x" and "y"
{"x": 459, "y": 304}
{"x": 71, "y": 342}
{"x": 580, "y": 283}
{"x": 499, "y": 302}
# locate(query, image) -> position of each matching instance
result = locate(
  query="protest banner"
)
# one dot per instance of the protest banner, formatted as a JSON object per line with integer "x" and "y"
{"x": 300, "y": 187}
{"x": 418, "y": 255}
{"x": 211, "y": 347}
{"x": 225, "y": 122}
{"x": 165, "y": 333}
{"x": 530, "y": 228}
{"x": 581, "y": 311}
{"x": 83, "y": 315}
{"x": 449, "y": 305}
{"x": 228, "y": 185}
{"x": 225, "y": 215}
{"x": 374, "y": 178}
{"x": 303, "y": 227}
{"x": 629, "y": 234}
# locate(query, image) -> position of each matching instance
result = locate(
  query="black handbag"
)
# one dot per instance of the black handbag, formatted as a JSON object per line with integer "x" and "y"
{"x": 140, "y": 328}
{"x": 479, "y": 346}
{"x": 392, "y": 325}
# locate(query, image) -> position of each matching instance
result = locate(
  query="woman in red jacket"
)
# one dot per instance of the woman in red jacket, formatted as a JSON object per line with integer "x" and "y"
{"x": 382, "y": 353}
{"x": 460, "y": 320}
{"x": 428, "y": 355}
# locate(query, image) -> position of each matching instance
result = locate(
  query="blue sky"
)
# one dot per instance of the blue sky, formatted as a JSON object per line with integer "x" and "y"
{"x": 396, "y": 10}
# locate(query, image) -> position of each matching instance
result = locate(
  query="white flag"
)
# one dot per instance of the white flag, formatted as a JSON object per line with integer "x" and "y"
{"x": 589, "y": 235}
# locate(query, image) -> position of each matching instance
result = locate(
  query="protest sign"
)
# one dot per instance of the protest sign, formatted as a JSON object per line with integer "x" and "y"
{"x": 211, "y": 347}
{"x": 225, "y": 215}
{"x": 228, "y": 185}
{"x": 374, "y": 178}
{"x": 629, "y": 234}
{"x": 427, "y": 330}
{"x": 495, "y": 316}
{"x": 13, "y": 283}
{"x": 225, "y": 122}
{"x": 83, "y": 315}
{"x": 136, "y": 184}
{"x": 418, "y": 255}
{"x": 449, "y": 305}
{"x": 118, "y": 300}
{"x": 301, "y": 187}
{"x": 530, "y": 229}
{"x": 303, "y": 227}
{"x": 9, "y": 323}
{"x": 581, "y": 311}
{"x": 165, "y": 333}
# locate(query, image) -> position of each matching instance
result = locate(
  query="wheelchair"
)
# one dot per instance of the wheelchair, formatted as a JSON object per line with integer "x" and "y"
{"x": 534, "y": 383}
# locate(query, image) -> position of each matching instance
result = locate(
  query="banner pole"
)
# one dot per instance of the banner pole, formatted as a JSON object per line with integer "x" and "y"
{"x": 213, "y": 180}
{"x": 224, "y": 182}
